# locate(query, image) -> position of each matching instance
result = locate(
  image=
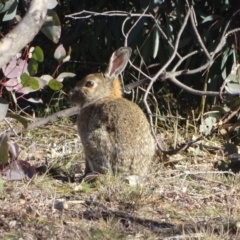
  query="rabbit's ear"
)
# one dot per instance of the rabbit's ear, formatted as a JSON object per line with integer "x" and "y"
{"x": 118, "y": 62}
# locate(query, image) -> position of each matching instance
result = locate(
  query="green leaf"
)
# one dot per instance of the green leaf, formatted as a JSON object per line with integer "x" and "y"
{"x": 55, "y": 85}
{"x": 3, "y": 108}
{"x": 156, "y": 41}
{"x": 170, "y": 29}
{"x": 233, "y": 88}
{"x": 28, "y": 81}
{"x": 51, "y": 4}
{"x": 4, "y": 149}
{"x": 52, "y": 26}
{"x": 60, "y": 53}
{"x": 226, "y": 56}
{"x": 11, "y": 13}
{"x": 24, "y": 78}
{"x": 34, "y": 84}
{"x": 211, "y": 18}
{"x": 38, "y": 54}
{"x": 5, "y": 5}
{"x": 32, "y": 66}
{"x": 19, "y": 118}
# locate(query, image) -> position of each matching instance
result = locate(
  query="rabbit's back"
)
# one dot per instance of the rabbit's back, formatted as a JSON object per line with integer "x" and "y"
{"x": 116, "y": 137}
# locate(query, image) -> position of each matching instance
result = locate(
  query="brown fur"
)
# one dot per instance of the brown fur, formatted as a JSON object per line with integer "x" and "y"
{"x": 116, "y": 138}
{"x": 117, "y": 89}
{"x": 114, "y": 132}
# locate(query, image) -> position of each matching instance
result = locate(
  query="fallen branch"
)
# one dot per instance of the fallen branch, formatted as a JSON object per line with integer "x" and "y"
{"x": 43, "y": 121}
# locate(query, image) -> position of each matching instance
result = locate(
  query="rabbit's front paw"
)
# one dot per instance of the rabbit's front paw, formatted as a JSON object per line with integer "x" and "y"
{"x": 98, "y": 164}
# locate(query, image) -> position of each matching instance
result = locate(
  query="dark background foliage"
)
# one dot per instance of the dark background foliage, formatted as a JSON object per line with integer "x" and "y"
{"x": 93, "y": 39}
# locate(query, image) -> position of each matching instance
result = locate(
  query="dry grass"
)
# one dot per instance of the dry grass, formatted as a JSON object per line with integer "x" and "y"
{"x": 183, "y": 198}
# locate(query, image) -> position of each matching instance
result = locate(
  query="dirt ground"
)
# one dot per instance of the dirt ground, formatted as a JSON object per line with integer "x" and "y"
{"x": 184, "y": 196}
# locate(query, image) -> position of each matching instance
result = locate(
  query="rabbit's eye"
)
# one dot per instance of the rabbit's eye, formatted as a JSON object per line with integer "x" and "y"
{"x": 89, "y": 84}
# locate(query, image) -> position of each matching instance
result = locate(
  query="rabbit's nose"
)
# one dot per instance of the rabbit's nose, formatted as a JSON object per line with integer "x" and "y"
{"x": 75, "y": 96}
{"x": 72, "y": 93}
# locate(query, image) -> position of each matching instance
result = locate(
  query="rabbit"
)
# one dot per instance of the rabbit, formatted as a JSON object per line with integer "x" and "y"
{"x": 114, "y": 131}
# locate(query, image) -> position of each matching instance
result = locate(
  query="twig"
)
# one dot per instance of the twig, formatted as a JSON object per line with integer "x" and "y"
{"x": 190, "y": 90}
{"x": 12, "y": 129}
{"x": 234, "y": 113}
{"x": 193, "y": 71}
{"x": 65, "y": 113}
{"x": 198, "y": 36}
{"x": 164, "y": 35}
{"x": 89, "y": 14}
{"x": 224, "y": 35}
{"x": 158, "y": 74}
{"x": 126, "y": 36}
{"x": 183, "y": 59}
{"x": 175, "y": 49}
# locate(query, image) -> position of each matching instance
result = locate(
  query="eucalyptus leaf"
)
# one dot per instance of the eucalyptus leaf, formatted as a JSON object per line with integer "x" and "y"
{"x": 6, "y": 5}
{"x": 233, "y": 88}
{"x": 38, "y": 54}
{"x": 11, "y": 12}
{"x": 3, "y": 149}
{"x": 18, "y": 170}
{"x": 52, "y": 26}
{"x": 28, "y": 81}
{"x": 32, "y": 66}
{"x": 24, "y": 78}
{"x": 35, "y": 100}
{"x": 211, "y": 18}
{"x": 65, "y": 75}
{"x": 55, "y": 85}
{"x": 52, "y": 4}
{"x": 19, "y": 118}
{"x": 60, "y": 53}
{"x": 156, "y": 42}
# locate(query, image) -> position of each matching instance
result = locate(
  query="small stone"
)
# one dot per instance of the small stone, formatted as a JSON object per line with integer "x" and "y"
{"x": 237, "y": 224}
{"x": 12, "y": 223}
{"x": 78, "y": 188}
{"x": 65, "y": 205}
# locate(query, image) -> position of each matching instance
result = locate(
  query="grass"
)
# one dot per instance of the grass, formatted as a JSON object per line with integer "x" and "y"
{"x": 184, "y": 197}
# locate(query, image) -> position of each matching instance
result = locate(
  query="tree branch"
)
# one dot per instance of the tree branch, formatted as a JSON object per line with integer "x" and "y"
{"x": 198, "y": 36}
{"x": 24, "y": 32}
{"x": 43, "y": 121}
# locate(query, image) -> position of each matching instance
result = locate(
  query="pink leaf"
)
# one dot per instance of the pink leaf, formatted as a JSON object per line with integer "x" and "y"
{"x": 13, "y": 150}
{"x": 18, "y": 170}
{"x": 15, "y": 68}
{"x": 12, "y": 84}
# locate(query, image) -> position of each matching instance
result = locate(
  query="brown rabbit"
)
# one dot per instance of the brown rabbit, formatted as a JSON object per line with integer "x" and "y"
{"x": 114, "y": 132}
